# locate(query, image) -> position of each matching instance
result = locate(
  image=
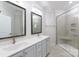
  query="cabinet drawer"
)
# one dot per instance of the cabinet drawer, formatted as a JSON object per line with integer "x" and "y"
{"x": 38, "y": 45}
{"x": 44, "y": 41}
{"x": 19, "y": 54}
{"x": 28, "y": 49}
{"x": 29, "y": 52}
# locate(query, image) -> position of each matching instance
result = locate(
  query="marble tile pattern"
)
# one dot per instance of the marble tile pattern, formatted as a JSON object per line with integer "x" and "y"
{"x": 57, "y": 51}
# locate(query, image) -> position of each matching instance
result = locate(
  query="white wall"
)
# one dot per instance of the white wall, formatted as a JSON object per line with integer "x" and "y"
{"x": 51, "y": 27}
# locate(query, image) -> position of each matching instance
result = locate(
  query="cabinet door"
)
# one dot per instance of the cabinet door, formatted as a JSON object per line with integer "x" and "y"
{"x": 38, "y": 50}
{"x": 47, "y": 46}
{"x": 44, "y": 48}
{"x": 35, "y": 50}
{"x": 29, "y": 52}
{"x": 19, "y": 54}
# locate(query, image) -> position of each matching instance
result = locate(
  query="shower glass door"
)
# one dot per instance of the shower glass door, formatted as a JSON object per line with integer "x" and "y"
{"x": 68, "y": 31}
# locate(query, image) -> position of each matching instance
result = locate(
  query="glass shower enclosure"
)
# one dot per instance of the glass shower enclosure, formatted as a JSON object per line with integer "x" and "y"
{"x": 68, "y": 31}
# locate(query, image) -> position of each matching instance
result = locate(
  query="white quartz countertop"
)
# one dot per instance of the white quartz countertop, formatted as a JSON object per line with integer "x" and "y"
{"x": 8, "y": 50}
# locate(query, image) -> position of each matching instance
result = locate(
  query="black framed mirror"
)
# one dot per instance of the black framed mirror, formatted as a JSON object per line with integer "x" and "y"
{"x": 12, "y": 20}
{"x": 36, "y": 23}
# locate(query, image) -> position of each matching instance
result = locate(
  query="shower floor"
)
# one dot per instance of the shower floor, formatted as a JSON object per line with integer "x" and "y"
{"x": 73, "y": 51}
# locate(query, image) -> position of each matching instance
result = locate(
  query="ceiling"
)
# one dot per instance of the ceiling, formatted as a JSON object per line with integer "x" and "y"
{"x": 58, "y": 6}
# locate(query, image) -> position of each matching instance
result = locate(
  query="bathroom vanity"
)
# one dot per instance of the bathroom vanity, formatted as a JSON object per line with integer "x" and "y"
{"x": 33, "y": 47}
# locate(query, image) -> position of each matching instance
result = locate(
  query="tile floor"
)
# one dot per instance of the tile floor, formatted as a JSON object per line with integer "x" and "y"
{"x": 57, "y": 51}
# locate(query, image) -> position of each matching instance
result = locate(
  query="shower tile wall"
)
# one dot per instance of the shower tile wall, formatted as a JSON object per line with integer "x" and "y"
{"x": 68, "y": 30}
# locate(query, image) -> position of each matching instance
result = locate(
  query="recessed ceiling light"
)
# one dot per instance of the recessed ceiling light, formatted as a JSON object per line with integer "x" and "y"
{"x": 70, "y": 2}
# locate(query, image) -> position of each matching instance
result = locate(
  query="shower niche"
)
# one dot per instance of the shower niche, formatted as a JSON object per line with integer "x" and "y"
{"x": 68, "y": 31}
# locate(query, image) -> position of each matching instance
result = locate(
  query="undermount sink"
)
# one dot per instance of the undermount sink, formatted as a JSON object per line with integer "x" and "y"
{"x": 15, "y": 46}
{"x": 39, "y": 37}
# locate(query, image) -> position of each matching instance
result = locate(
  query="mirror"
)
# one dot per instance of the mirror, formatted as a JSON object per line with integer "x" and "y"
{"x": 36, "y": 23}
{"x": 12, "y": 20}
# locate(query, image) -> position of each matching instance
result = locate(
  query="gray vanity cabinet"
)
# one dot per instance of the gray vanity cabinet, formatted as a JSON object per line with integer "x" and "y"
{"x": 39, "y": 49}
